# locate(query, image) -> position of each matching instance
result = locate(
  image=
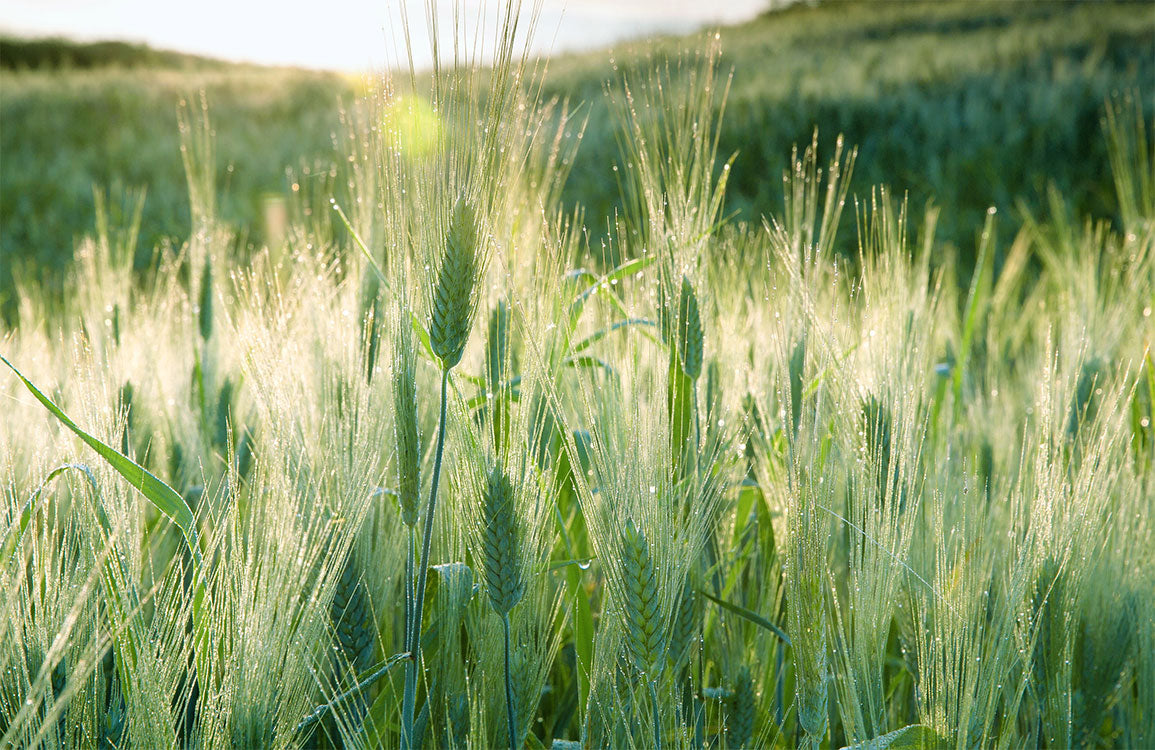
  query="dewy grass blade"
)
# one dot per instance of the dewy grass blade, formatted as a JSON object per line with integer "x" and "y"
{"x": 360, "y": 243}
{"x": 14, "y": 534}
{"x": 371, "y": 676}
{"x": 753, "y": 617}
{"x": 165, "y": 498}
{"x": 976, "y": 299}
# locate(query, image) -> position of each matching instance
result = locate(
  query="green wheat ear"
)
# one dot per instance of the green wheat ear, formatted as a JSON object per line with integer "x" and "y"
{"x": 350, "y": 615}
{"x": 740, "y": 716}
{"x": 454, "y": 296}
{"x": 689, "y": 331}
{"x": 405, "y": 422}
{"x": 205, "y": 302}
{"x": 504, "y": 579}
{"x": 684, "y": 631}
{"x": 644, "y": 636}
{"x": 459, "y": 719}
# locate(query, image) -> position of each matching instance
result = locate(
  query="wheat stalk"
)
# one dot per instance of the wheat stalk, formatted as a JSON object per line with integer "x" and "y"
{"x": 504, "y": 573}
{"x": 453, "y": 305}
{"x": 407, "y": 439}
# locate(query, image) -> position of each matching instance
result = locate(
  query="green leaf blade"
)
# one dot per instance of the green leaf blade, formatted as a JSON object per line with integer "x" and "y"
{"x": 165, "y": 498}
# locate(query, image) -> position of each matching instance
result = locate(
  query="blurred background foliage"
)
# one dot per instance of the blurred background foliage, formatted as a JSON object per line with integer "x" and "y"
{"x": 963, "y": 103}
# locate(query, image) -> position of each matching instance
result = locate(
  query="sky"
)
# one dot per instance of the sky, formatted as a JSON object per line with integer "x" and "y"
{"x": 350, "y": 35}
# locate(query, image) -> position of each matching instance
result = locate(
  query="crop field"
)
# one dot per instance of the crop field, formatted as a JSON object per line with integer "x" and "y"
{"x": 444, "y": 457}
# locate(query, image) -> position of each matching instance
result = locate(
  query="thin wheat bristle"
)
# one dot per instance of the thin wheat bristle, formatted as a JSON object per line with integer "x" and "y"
{"x": 371, "y": 313}
{"x": 644, "y": 636}
{"x": 454, "y": 297}
{"x": 405, "y": 423}
{"x": 501, "y": 544}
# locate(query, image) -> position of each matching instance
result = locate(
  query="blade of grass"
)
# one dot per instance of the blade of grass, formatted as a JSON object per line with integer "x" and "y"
{"x": 165, "y": 498}
{"x": 975, "y": 300}
{"x": 602, "y": 333}
{"x": 369, "y": 677}
{"x": 15, "y": 534}
{"x": 753, "y": 617}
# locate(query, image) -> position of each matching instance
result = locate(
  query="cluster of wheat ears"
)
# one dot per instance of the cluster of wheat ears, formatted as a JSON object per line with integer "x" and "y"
{"x": 418, "y": 477}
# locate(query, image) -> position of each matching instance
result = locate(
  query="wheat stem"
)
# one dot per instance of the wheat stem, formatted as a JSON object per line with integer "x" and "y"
{"x": 657, "y": 721}
{"x": 410, "y": 564}
{"x": 510, "y": 709}
{"x": 413, "y": 667}
{"x": 410, "y": 673}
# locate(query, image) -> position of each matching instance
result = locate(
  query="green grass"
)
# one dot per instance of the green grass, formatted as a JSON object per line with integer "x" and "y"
{"x": 794, "y": 483}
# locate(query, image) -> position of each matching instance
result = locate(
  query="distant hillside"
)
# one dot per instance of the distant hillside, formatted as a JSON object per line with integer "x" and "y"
{"x": 971, "y": 104}
{"x": 17, "y": 53}
{"x": 968, "y": 104}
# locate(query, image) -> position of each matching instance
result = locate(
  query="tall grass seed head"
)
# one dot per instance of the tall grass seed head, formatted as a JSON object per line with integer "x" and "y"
{"x": 351, "y": 615}
{"x": 645, "y": 634}
{"x": 501, "y": 541}
{"x": 689, "y": 331}
{"x": 740, "y": 711}
{"x": 205, "y": 302}
{"x": 455, "y": 293}
{"x": 405, "y": 423}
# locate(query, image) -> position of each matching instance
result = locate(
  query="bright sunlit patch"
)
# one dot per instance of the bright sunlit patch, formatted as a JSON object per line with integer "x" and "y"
{"x": 412, "y": 126}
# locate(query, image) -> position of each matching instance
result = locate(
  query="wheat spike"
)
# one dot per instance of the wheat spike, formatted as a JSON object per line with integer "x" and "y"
{"x": 500, "y": 541}
{"x": 797, "y": 369}
{"x": 114, "y": 723}
{"x": 740, "y": 716}
{"x": 205, "y": 302}
{"x": 405, "y": 422}
{"x": 689, "y": 331}
{"x": 497, "y": 351}
{"x": 351, "y": 618}
{"x": 644, "y": 636}
{"x": 371, "y": 320}
{"x": 454, "y": 297}
{"x": 459, "y": 720}
{"x": 685, "y": 626}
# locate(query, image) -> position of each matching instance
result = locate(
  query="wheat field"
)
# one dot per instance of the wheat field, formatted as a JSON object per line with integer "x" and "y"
{"x": 431, "y": 473}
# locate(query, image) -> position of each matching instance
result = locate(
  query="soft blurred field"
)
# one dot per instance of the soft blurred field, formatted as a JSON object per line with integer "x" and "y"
{"x": 975, "y": 104}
